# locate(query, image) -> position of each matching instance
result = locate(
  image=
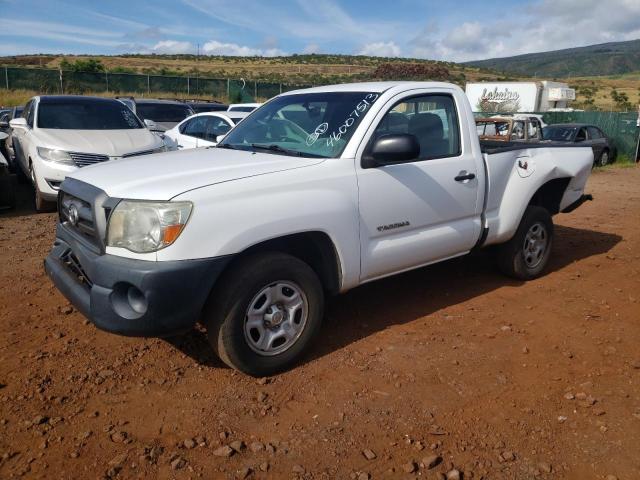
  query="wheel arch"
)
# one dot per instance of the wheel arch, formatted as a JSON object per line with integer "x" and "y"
{"x": 315, "y": 248}
{"x": 549, "y": 195}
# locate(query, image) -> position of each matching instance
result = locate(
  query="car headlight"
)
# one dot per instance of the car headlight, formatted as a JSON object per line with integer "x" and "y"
{"x": 144, "y": 227}
{"x": 55, "y": 155}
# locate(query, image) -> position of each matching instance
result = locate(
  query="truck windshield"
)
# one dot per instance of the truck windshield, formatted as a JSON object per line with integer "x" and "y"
{"x": 87, "y": 115}
{"x": 304, "y": 125}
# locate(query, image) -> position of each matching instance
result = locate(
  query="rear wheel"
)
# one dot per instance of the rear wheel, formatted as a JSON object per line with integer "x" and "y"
{"x": 526, "y": 255}
{"x": 265, "y": 314}
{"x": 603, "y": 160}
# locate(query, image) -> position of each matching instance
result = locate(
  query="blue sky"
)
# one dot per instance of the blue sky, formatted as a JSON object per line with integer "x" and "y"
{"x": 434, "y": 29}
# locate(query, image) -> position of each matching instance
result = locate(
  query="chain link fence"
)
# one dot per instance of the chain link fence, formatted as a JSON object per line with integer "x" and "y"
{"x": 68, "y": 82}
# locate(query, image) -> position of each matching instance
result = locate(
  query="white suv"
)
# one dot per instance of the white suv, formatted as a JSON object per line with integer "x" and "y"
{"x": 56, "y": 135}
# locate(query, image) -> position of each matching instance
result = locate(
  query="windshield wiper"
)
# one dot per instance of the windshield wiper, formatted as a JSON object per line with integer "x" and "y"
{"x": 277, "y": 148}
{"x": 226, "y": 145}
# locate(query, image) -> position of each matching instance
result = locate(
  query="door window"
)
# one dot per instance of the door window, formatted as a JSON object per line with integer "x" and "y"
{"x": 432, "y": 119}
{"x": 582, "y": 135}
{"x": 518, "y": 131}
{"x": 196, "y": 127}
{"x": 215, "y": 126}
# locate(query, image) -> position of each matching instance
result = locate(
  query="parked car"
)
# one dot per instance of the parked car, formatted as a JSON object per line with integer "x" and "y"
{"x": 201, "y": 106}
{"x": 7, "y": 144}
{"x": 250, "y": 236}
{"x": 203, "y": 129}
{"x": 164, "y": 114}
{"x": 7, "y": 195}
{"x": 509, "y": 129}
{"x": 59, "y": 134}
{"x": 243, "y": 107}
{"x": 604, "y": 152}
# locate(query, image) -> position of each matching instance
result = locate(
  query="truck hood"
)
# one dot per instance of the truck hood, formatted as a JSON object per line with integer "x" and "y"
{"x": 165, "y": 175}
{"x": 113, "y": 143}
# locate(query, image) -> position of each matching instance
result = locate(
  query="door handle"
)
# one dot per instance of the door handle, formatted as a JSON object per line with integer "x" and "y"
{"x": 462, "y": 176}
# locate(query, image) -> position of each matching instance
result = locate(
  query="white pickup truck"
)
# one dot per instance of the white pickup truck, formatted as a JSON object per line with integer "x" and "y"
{"x": 316, "y": 192}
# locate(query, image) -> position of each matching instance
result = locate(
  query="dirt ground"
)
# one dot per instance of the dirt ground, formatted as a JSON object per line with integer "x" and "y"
{"x": 452, "y": 364}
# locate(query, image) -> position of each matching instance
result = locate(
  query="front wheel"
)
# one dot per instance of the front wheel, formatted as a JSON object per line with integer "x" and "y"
{"x": 526, "y": 255}
{"x": 267, "y": 311}
{"x": 41, "y": 204}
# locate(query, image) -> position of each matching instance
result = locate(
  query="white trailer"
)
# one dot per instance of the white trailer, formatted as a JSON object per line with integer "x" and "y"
{"x": 513, "y": 97}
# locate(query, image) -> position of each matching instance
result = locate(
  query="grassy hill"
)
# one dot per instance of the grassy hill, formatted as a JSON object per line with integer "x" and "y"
{"x": 604, "y": 59}
{"x": 326, "y": 69}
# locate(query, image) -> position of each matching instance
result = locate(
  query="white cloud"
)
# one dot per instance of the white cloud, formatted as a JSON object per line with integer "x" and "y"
{"x": 543, "y": 26}
{"x": 215, "y": 47}
{"x": 173, "y": 47}
{"x": 380, "y": 49}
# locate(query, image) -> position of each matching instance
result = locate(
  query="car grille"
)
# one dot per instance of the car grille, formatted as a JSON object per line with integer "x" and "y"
{"x": 81, "y": 222}
{"x": 85, "y": 159}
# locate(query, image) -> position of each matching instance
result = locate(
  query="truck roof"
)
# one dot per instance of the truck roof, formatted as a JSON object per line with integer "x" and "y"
{"x": 377, "y": 87}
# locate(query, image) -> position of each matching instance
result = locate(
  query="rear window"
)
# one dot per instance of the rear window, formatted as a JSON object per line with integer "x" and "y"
{"x": 163, "y": 112}
{"x": 86, "y": 115}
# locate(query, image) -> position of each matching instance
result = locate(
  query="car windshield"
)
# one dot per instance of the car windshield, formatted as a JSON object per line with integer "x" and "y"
{"x": 559, "y": 134}
{"x": 86, "y": 115}
{"x": 304, "y": 124}
{"x": 163, "y": 112}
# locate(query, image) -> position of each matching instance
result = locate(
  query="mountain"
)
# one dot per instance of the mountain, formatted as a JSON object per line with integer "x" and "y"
{"x": 604, "y": 59}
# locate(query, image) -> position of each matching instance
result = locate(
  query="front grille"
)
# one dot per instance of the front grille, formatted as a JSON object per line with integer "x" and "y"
{"x": 85, "y": 159}
{"x": 73, "y": 264}
{"x": 83, "y": 222}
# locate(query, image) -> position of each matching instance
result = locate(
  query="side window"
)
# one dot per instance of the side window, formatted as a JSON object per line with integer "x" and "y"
{"x": 518, "y": 131}
{"x": 215, "y": 126}
{"x": 534, "y": 127}
{"x": 31, "y": 114}
{"x": 196, "y": 127}
{"x": 431, "y": 118}
{"x": 594, "y": 133}
{"x": 582, "y": 135}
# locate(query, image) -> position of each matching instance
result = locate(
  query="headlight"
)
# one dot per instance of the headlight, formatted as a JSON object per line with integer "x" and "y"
{"x": 144, "y": 227}
{"x": 55, "y": 155}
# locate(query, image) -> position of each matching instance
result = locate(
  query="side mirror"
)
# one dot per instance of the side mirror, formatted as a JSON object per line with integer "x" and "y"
{"x": 18, "y": 123}
{"x": 3, "y": 135}
{"x": 391, "y": 149}
{"x": 4, "y": 124}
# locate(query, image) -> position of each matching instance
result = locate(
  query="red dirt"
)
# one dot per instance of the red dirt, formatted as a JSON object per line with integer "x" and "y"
{"x": 501, "y": 379}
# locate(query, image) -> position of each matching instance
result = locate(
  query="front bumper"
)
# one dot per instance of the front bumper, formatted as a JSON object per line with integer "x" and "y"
{"x": 127, "y": 296}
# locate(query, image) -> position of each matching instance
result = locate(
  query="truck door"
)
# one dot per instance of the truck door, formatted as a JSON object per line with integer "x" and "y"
{"x": 425, "y": 210}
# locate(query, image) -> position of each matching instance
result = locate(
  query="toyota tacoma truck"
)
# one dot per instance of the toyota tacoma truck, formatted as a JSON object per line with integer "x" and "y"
{"x": 316, "y": 192}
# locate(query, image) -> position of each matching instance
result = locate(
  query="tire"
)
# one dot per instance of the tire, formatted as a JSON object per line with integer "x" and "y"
{"x": 242, "y": 342}
{"x": 604, "y": 159}
{"x": 41, "y": 204}
{"x": 526, "y": 255}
